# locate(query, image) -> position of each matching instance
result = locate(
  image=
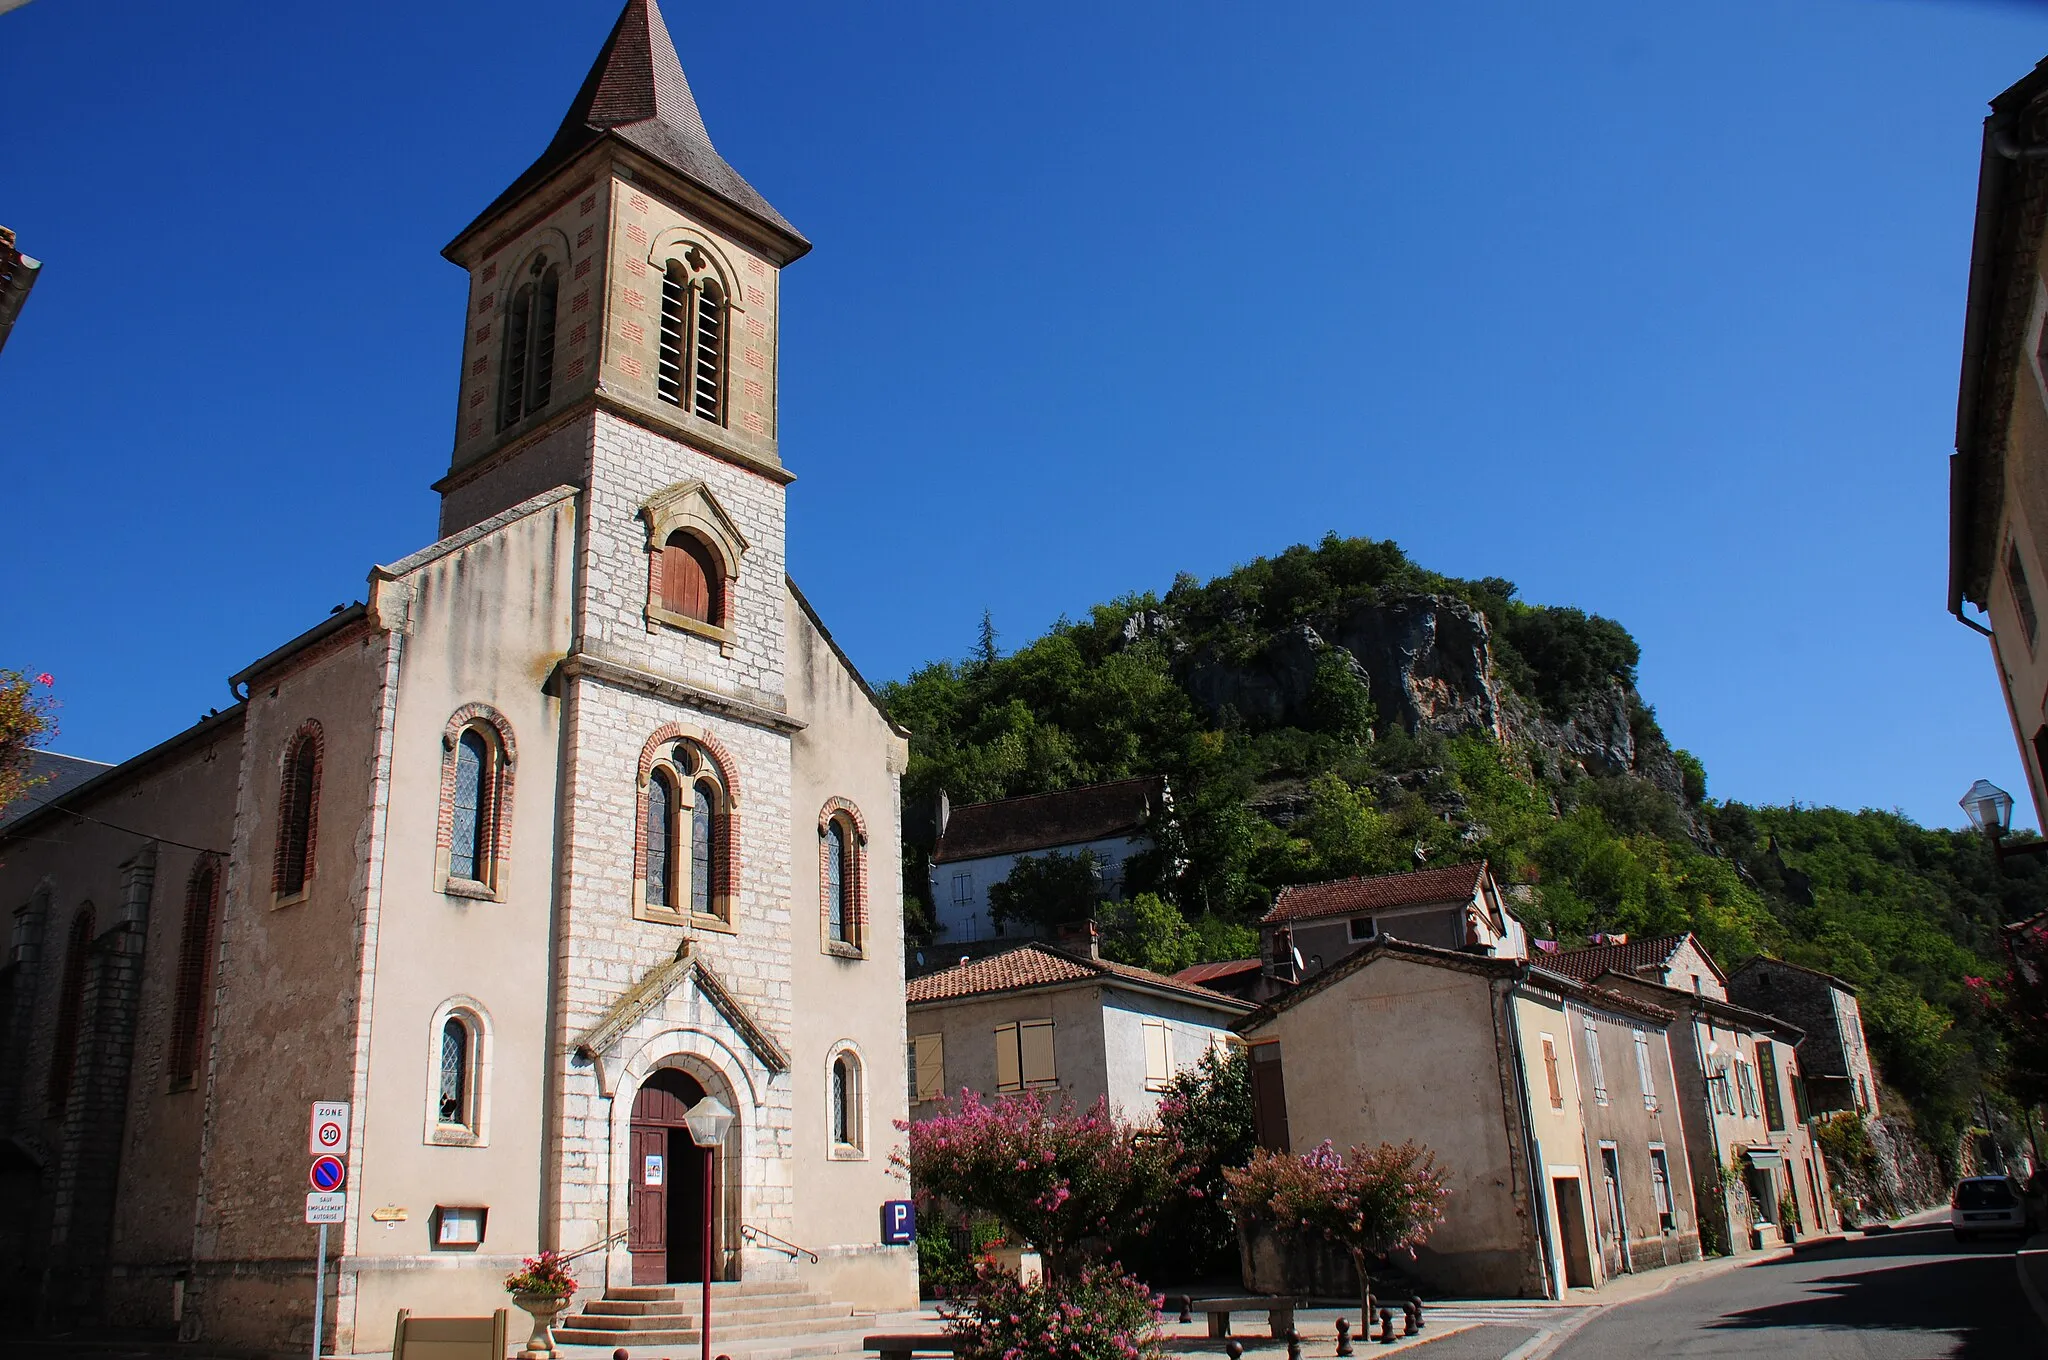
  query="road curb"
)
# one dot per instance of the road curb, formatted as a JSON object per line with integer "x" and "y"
{"x": 2035, "y": 1247}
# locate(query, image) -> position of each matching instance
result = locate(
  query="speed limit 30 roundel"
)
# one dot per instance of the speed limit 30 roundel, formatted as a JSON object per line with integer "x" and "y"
{"x": 327, "y": 1174}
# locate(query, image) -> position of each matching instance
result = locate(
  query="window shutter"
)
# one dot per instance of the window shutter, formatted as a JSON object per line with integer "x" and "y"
{"x": 1599, "y": 1071}
{"x": 1550, "y": 1072}
{"x": 688, "y": 579}
{"x": 708, "y": 357}
{"x": 1009, "y": 1067}
{"x": 1158, "y": 1053}
{"x": 1644, "y": 1079}
{"x": 1269, "y": 1098}
{"x": 930, "y": 1050}
{"x": 1034, "y": 1043}
{"x": 675, "y": 300}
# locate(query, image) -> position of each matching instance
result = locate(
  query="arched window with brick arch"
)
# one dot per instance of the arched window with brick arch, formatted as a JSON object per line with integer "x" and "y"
{"x": 842, "y": 879}
{"x": 692, "y": 583}
{"x": 196, "y": 947}
{"x": 298, "y": 808}
{"x": 70, "y": 1007}
{"x": 527, "y": 380}
{"x": 475, "y": 829}
{"x": 695, "y": 322}
{"x": 846, "y": 1112}
{"x": 458, "y": 1074}
{"x": 686, "y": 857}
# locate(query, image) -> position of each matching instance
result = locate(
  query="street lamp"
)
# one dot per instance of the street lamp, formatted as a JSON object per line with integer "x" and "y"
{"x": 708, "y": 1120}
{"x": 1989, "y": 809}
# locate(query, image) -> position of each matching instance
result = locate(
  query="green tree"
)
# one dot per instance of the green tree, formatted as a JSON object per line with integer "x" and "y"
{"x": 1048, "y": 890}
{"x": 1148, "y": 931}
{"x": 1207, "y": 1110}
{"x": 27, "y": 722}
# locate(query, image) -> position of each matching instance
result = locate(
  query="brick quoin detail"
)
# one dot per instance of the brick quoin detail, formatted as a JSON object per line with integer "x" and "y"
{"x": 583, "y": 237}
{"x": 843, "y": 809}
{"x": 490, "y": 272}
{"x": 582, "y": 268}
{"x": 505, "y": 757}
{"x": 286, "y": 792}
{"x": 727, "y": 824}
{"x": 588, "y": 206}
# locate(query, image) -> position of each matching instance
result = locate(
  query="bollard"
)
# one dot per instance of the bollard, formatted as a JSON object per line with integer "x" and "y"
{"x": 1386, "y": 1336}
{"x": 1235, "y": 1350}
{"x": 1187, "y": 1308}
{"x": 1293, "y": 1345}
{"x": 1343, "y": 1336}
{"x": 1411, "y": 1316}
{"x": 620, "y": 1354}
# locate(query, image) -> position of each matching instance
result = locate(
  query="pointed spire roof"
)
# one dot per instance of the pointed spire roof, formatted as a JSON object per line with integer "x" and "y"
{"x": 636, "y": 91}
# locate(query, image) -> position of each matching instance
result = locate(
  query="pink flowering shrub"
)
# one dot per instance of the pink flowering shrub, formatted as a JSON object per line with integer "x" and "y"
{"x": 27, "y": 721}
{"x": 1053, "y": 1176}
{"x": 1370, "y": 1201}
{"x": 544, "y": 1275}
{"x": 1099, "y": 1314}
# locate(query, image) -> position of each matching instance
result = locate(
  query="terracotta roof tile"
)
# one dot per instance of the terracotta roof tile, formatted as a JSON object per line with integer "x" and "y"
{"x": 1047, "y": 820}
{"x": 1586, "y": 964}
{"x": 1306, "y": 901}
{"x": 1037, "y": 965}
{"x": 1203, "y": 973}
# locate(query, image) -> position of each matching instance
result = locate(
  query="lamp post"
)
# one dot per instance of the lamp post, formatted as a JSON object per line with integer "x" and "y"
{"x": 708, "y": 1120}
{"x": 1989, "y": 809}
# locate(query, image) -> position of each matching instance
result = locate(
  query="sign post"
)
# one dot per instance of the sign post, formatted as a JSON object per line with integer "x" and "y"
{"x": 326, "y": 1202}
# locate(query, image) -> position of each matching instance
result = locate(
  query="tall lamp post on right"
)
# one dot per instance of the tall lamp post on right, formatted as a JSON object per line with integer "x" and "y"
{"x": 1989, "y": 809}
{"x": 708, "y": 1120}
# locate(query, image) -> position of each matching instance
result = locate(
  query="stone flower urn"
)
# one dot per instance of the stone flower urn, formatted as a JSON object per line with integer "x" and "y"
{"x": 545, "y": 1308}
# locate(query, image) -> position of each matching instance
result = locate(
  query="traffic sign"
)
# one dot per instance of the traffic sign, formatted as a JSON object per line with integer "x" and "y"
{"x": 328, "y": 1173}
{"x": 324, "y": 1207}
{"x": 899, "y": 1222}
{"x": 330, "y": 1127}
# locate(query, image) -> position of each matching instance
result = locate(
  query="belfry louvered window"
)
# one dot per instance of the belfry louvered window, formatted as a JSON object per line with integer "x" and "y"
{"x": 694, "y": 315}
{"x": 529, "y": 373}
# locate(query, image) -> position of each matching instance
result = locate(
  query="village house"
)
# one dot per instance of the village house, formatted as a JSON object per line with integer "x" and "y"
{"x": 1065, "y": 1021}
{"x": 1834, "y": 1054}
{"x": 980, "y": 843}
{"x": 1313, "y": 926}
{"x": 1760, "y": 1181}
{"x": 569, "y": 828}
{"x": 1553, "y": 1104}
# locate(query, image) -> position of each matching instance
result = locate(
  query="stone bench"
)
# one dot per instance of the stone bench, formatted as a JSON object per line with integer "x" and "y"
{"x": 1279, "y": 1312}
{"x": 903, "y": 1345}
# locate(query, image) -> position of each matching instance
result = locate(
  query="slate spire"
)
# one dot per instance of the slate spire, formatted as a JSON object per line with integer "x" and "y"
{"x": 636, "y": 91}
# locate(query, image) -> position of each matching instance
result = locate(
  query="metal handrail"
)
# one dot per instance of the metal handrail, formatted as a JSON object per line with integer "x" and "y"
{"x": 774, "y": 1243}
{"x": 595, "y": 1246}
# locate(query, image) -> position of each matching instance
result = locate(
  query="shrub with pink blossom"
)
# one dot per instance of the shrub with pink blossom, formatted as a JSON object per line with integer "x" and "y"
{"x": 1098, "y": 1314}
{"x": 1053, "y": 1176}
{"x": 1370, "y": 1201}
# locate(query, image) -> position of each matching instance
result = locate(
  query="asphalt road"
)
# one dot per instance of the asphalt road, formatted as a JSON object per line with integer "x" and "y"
{"x": 1912, "y": 1294}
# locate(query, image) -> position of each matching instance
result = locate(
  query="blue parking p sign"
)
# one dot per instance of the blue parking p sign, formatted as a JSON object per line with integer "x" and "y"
{"x": 899, "y": 1222}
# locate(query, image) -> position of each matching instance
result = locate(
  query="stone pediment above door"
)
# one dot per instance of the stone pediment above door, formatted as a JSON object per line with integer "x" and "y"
{"x": 599, "y": 1043}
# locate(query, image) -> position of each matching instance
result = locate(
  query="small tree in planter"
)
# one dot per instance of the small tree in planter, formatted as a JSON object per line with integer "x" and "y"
{"x": 1370, "y": 1201}
{"x": 1098, "y": 1314}
{"x": 1053, "y": 1176}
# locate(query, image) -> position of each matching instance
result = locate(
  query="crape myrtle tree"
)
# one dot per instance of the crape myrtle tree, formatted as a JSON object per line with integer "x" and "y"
{"x": 1370, "y": 1201}
{"x": 26, "y": 722}
{"x": 1063, "y": 1180}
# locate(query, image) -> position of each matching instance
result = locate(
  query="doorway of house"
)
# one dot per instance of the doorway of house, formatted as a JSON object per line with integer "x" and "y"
{"x": 665, "y": 1194}
{"x": 1571, "y": 1232}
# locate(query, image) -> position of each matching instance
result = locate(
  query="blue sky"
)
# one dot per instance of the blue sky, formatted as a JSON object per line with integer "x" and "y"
{"x": 1654, "y": 310}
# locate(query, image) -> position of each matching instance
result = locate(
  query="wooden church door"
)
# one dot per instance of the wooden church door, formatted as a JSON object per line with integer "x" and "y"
{"x": 665, "y": 1182}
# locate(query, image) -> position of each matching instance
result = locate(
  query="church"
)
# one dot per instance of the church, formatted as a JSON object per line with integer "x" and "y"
{"x": 580, "y": 822}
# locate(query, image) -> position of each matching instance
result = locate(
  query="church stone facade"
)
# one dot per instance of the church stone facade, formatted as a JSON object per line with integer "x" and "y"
{"x": 573, "y": 823}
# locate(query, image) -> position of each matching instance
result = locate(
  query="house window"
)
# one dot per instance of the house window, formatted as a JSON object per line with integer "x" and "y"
{"x": 1158, "y": 1055}
{"x": 1745, "y": 1083}
{"x": 703, "y": 848}
{"x": 298, "y": 804}
{"x": 963, "y": 889}
{"x": 1660, "y": 1186}
{"x": 1645, "y": 1081}
{"x": 1363, "y": 928}
{"x": 927, "y": 1068}
{"x": 1767, "y": 1078}
{"x": 661, "y": 829}
{"x": 2022, "y": 593}
{"x": 468, "y": 856}
{"x": 1718, "y": 1088}
{"x": 70, "y": 1008}
{"x": 529, "y": 370}
{"x": 195, "y": 973}
{"x": 692, "y": 584}
{"x": 694, "y": 323}
{"x": 1024, "y": 1055}
{"x": 455, "y": 1105}
{"x": 845, "y": 1113}
{"x": 1550, "y": 1072}
{"x": 842, "y": 889}
{"x": 1594, "y": 1064}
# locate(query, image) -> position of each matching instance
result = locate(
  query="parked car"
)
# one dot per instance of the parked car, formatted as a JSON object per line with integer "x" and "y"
{"x": 1988, "y": 1204}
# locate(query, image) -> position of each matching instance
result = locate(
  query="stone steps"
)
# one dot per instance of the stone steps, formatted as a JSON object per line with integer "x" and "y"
{"x": 763, "y": 1313}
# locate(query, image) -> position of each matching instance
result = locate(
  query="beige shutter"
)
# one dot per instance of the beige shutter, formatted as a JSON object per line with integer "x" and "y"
{"x": 931, "y": 1066}
{"x": 1158, "y": 1053}
{"x": 1034, "y": 1042}
{"x": 1008, "y": 1066}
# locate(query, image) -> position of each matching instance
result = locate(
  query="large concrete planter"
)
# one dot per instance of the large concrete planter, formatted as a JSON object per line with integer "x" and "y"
{"x": 1300, "y": 1264}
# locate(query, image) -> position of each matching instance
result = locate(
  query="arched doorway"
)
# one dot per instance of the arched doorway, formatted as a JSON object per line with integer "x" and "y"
{"x": 665, "y": 1195}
